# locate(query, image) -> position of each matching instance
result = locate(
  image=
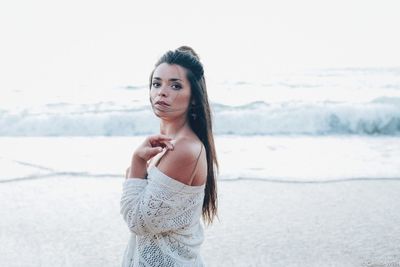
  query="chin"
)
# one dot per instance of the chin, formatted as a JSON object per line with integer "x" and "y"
{"x": 160, "y": 114}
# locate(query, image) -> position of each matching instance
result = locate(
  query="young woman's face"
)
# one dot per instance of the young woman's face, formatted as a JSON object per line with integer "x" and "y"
{"x": 170, "y": 85}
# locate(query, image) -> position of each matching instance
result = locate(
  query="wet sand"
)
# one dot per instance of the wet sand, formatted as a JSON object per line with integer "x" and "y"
{"x": 75, "y": 221}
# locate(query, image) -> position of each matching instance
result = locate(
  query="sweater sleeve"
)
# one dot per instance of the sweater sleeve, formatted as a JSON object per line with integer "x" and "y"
{"x": 152, "y": 206}
{"x": 132, "y": 190}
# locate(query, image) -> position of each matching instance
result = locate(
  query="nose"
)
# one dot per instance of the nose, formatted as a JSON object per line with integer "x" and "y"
{"x": 163, "y": 91}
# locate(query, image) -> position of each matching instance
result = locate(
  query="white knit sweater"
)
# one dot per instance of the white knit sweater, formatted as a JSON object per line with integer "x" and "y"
{"x": 163, "y": 216}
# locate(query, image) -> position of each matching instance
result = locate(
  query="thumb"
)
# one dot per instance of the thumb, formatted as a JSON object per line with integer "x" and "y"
{"x": 154, "y": 151}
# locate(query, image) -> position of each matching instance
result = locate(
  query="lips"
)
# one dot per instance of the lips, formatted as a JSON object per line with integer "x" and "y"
{"x": 162, "y": 103}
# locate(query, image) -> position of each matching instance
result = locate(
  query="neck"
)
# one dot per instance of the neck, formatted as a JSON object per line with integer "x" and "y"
{"x": 172, "y": 128}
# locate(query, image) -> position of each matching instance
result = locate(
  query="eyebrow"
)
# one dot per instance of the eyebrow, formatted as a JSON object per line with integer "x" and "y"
{"x": 172, "y": 79}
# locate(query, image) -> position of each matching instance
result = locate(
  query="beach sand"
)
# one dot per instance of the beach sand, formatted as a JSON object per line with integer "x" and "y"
{"x": 75, "y": 221}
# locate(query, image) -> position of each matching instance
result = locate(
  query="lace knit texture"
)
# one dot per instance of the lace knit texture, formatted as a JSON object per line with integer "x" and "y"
{"x": 163, "y": 216}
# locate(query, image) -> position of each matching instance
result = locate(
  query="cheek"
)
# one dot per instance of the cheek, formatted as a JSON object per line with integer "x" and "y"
{"x": 151, "y": 94}
{"x": 183, "y": 99}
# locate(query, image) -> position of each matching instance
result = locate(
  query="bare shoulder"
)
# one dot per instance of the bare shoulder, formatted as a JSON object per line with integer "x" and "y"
{"x": 180, "y": 163}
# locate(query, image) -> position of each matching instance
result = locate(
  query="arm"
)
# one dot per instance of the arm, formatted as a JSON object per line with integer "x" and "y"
{"x": 163, "y": 206}
{"x": 152, "y": 206}
{"x": 132, "y": 191}
{"x": 159, "y": 205}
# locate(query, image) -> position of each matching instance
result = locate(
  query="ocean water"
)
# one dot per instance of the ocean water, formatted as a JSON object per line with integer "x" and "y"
{"x": 311, "y": 160}
{"x": 321, "y": 125}
{"x": 290, "y": 159}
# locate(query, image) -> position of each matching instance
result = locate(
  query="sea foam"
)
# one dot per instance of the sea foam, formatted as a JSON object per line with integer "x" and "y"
{"x": 380, "y": 116}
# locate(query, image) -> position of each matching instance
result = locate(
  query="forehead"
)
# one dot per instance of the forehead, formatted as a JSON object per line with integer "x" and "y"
{"x": 167, "y": 71}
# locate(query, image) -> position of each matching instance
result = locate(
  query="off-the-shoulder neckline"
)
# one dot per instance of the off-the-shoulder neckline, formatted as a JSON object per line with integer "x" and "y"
{"x": 172, "y": 181}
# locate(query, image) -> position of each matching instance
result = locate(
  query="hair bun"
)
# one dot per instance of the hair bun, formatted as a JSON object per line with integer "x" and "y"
{"x": 189, "y": 50}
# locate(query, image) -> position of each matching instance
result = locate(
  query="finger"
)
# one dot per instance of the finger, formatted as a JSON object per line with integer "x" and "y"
{"x": 151, "y": 152}
{"x": 159, "y": 137}
{"x": 164, "y": 144}
{"x": 169, "y": 145}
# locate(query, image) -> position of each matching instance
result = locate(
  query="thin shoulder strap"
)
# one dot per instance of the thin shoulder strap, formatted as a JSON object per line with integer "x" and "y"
{"x": 195, "y": 167}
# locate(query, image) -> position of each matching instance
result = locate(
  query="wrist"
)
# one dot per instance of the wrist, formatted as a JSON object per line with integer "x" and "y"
{"x": 138, "y": 168}
{"x": 136, "y": 157}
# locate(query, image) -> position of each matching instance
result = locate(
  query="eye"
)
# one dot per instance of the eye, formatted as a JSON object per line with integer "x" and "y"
{"x": 156, "y": 84}
{"x": 177, "y": 86}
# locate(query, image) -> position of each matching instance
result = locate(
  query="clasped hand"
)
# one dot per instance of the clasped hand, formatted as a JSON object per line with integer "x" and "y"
{"x": 151, "y": 146}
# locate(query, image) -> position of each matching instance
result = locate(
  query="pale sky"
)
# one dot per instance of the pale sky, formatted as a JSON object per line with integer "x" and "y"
{"x": 65, "y": 44}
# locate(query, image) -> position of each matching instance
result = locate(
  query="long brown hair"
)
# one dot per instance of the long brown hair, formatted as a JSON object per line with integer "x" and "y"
{"x": 201, "y": 122}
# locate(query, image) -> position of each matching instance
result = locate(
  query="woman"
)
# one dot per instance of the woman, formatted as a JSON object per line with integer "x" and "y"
{"x": 163, "y": 200}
